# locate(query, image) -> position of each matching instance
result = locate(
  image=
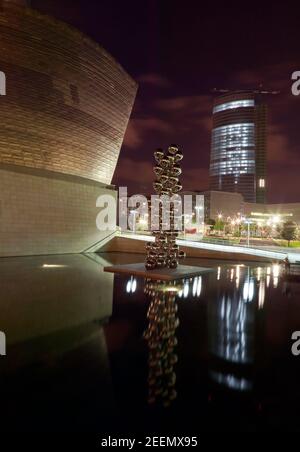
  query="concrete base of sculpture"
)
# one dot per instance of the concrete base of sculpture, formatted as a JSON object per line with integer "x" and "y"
{"x": 159, "y": 274}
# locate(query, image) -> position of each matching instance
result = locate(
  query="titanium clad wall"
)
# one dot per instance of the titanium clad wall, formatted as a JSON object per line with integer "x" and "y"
{"x": 68, "y": 101}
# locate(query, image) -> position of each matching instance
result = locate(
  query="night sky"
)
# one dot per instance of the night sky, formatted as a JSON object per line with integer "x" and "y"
{"x": 178, "y": 51}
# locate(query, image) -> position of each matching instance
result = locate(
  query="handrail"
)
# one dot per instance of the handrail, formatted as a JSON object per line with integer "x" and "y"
{"x": 206, "y": 241}
{"x": 104, "y": 239}
{"x": 217, "y": 247}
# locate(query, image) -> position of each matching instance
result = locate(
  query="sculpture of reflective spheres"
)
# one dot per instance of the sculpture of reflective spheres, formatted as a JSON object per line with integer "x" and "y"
{"x": 164, "y": 252}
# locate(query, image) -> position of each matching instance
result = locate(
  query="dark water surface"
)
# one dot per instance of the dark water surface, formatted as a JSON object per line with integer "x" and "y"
{"x": 77, "y": 358}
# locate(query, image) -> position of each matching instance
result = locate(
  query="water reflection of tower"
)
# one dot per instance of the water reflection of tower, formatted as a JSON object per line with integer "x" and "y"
{"x": 231, "y": 320}
{"x": 160, "y": 335}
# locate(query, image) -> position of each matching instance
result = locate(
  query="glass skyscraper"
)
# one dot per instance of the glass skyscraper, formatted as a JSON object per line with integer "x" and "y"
{"x": 238, "y": 146}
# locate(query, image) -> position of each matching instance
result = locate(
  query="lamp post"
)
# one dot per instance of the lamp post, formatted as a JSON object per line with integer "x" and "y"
{"x": 134, "y": 213}
{"x": 248, "y": 234}
{"x": 238, "y": 222}
{"x": 248, "y": 222}
{"x": 198, "y": 208}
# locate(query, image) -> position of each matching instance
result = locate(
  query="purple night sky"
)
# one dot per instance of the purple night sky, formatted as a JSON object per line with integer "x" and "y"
{"x": 178, "y": 51}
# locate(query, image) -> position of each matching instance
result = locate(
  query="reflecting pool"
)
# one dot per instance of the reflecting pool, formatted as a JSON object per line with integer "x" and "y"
{"x": 92, "y": 351}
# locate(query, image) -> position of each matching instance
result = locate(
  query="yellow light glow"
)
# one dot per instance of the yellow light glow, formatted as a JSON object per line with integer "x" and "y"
{"x": 53, "y": 266}
{"x": 142, "y": 221}
{"x": 171, "y": 289}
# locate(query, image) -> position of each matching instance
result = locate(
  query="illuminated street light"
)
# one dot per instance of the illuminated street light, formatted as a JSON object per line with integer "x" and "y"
{"x": 248, "y": 222}
{"x": 276, "y": 219}
{"x": 134, "y": 213}
{"x": 199, "y": 218}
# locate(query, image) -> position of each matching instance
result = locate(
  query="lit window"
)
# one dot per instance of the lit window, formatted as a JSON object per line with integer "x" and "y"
{"x": 261, "y": 183}
{"x": 233, "y": 149}
{"x": 234, "y": 104}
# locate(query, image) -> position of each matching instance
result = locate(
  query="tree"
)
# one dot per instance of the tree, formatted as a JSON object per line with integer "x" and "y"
{"x": 289, "y": 231}
{"x": 219, "y": 225}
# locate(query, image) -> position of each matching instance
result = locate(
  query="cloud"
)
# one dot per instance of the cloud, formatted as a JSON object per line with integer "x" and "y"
{"x": 195, "y": 179}
{"x": 167, "y": 120}
{"x": 139, "y": 172}
{"x": 283, "y": 188}
{"x": 278, "y": 146}
{"x": 139, "y": 176}
{"x": 154, "y": 80}
{"x": 189, "y": 105}
{"x": 161, "y": 119}
{"x": 206, "y": 123}
{"x": 270, "y": 77}
{"x": 139, "y": 128}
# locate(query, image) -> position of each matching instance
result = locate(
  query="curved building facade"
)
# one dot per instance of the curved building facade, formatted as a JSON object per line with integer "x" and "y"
{"x": 64, "y": 111}
{"x": 67, "y": 100}
{"x": 238, "y": 147}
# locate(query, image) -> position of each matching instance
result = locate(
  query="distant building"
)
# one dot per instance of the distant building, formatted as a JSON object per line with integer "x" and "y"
{"x": 225, "y": 204}
{"x": 288, "y": 211}
{"x": 238, "y": 147}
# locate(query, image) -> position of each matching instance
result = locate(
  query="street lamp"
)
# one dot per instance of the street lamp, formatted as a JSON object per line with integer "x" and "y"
{"x": 248, "y": 222}
{"x": 276, "y": 219}
{"x": 220, "y": 228}
{"x": 134, "y": 213}
{"x": 198, "y": 208}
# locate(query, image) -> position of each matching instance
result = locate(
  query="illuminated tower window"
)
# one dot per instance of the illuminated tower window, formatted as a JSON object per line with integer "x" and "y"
{"x": 234, "y": 104}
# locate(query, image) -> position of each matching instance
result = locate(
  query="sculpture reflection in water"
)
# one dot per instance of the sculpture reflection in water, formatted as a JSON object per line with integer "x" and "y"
{"x": 161, "y": 339}
{"x": 236, "y": 298}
